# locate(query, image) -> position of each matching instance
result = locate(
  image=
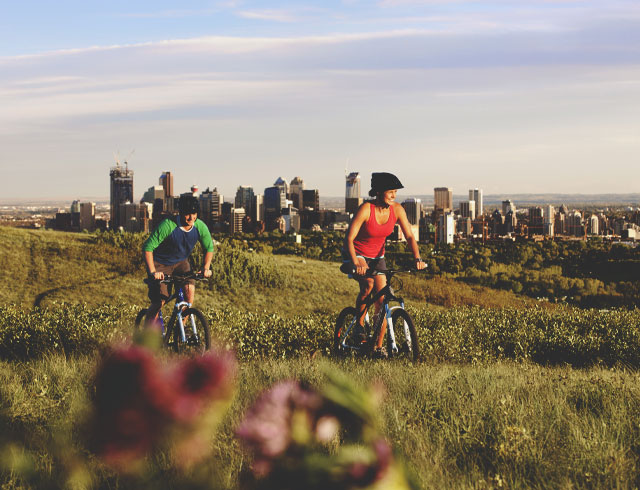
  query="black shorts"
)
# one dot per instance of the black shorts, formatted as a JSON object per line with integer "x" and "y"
{"x": 377, "y": 266}
{"x": 159, "y": 291}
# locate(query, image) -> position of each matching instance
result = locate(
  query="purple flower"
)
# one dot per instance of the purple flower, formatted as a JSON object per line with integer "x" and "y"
{"x": 266, "y": 428}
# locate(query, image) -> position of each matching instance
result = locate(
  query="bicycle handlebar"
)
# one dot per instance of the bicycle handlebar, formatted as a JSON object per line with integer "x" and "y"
{"x": 350, "y": 269}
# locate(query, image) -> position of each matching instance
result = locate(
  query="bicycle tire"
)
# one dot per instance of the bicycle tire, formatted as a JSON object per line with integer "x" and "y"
{"x": 194, "y": 345}
{"x": 406, "y": 350}
{"x": 346, "y": 317}
{"x": 140, "y": 317}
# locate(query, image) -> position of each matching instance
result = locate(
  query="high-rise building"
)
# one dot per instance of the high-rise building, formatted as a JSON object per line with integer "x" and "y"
{"x": 468, "y": 209}
{"x": 153, "y": 193}
{"x": 210, "y": 206}
{"x": 446, "y": 227}
{"x": 244, "y": 199}
{"x": 275, "y": 199}
{"x": 443, "y": 198}
{"x": 311, "y": 199}
{"x": 237, "y": 216}
{"x": 296, "y": 188}
{"x": 536, "y": 220}
{"x": 594, "y": 225}
{"x": 257, "y": 207}
{"x": 282, "y": 184}
{"x": 508, "y": 206}
{"x": 121, "y": 191}
{"x": 574, "y": 224}
{"x": 166, "y": 181}
{"x": 549, "y": 216}
{"x": 413, "y": 209}
{"x": 352, "y": 193}
{"x": 87, "y": 216}
{"x": 476, "y": 195}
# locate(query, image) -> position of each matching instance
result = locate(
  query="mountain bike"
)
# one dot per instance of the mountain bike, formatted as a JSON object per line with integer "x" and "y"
{"x": 401, "y": 336}
{"x": 188, "y": 329}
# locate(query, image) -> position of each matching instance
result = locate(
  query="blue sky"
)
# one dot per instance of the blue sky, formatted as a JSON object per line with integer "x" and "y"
{"x": 512, "y": 97}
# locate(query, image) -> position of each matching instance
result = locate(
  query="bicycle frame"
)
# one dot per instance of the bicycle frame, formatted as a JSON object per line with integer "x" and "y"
{"x": 179, "y": 305}
{"x": 387, "y": 311}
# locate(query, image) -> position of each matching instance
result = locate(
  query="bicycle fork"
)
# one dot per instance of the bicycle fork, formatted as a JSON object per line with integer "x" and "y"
{"x": 179, "y": 306}
{"x": 391, "y": 332}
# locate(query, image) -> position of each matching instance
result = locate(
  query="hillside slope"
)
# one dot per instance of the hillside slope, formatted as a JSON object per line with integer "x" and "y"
{"x": 38, "y": 267}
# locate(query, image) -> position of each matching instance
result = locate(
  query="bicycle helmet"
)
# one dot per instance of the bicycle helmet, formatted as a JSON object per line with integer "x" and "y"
{"x": 189, "y": 205}
{"x": 384, "y": 181}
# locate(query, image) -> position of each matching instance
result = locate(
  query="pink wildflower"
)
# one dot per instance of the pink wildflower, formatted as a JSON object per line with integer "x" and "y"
{"x": 199, "y": 381}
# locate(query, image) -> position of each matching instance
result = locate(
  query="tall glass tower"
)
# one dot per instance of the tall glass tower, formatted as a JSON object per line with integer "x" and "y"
{"x": 121, "y": 191}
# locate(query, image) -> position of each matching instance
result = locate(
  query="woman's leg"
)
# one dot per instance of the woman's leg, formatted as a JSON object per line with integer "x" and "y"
{"x": 366, "y": 286}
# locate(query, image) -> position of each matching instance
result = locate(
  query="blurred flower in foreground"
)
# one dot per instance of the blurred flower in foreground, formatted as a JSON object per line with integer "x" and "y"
{"x": 140, "y": 405}
{"x": 317, "y": 439}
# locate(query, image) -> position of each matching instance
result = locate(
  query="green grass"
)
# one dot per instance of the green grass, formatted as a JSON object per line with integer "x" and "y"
{"x": 458, "y": 426}
{"x": 496, "y": 404}
{"x": 42, "y": 267}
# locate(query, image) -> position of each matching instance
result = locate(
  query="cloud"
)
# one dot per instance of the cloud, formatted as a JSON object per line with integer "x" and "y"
{"x": 269, "y": 14}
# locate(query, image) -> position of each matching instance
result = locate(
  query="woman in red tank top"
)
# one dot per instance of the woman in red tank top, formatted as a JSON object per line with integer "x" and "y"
{"x": 366, "y": 236}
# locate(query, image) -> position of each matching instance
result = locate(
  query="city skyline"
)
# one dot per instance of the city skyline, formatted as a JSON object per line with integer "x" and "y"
{"x": 509, "y": 98}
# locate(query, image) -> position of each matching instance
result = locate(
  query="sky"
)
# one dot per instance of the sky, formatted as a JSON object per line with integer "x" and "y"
{"x": 537, "y": 96}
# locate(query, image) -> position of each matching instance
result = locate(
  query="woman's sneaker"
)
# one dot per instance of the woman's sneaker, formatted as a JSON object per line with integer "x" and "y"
{"x": 380, "y": 353}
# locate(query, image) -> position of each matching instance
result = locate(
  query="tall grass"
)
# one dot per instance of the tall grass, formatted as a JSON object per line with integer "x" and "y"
{"x": 502, "y": 425}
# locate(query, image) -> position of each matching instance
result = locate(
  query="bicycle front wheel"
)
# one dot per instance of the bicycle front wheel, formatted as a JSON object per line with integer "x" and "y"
{"x": 140, "y": 318}
{"x": 196, "y": 331}
{"x": 345, "y": 336}
{"x": 405, "y": 336}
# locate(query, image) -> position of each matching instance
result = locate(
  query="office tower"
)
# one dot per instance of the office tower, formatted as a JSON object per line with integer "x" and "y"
{"x": 446, "y": 227}
{"x": 574, "y": 224}
{"x": 413, "y": 209}
{"x": 244, "y": 199}
{"x": 291, "y": 219}
{"x": 311, "y": 199}
{"x": 510, "y": 222}
{"x": 296, "y": 188}
{"x": 352, "y": 194}
{"x": 210, "y": 206}
{"x": 237, "y": 216}
{"x": 536, "y": 220}
{"x": 443, "y": 198}
{"x": 257, "y": 207}
{"x": 275, "y": 199}
{"x": 476, "y": 195}
{"x": 153, "y": 193}
{"x": 548, "y": 220}
{"x": 508, "y": 206}
{"x": 121, "y": 191}
{"x": 134, "y": 217}
{"x": 166, "y": 181}
{"x": 594, "y": 225}
{"x": 468, "y": 209}
{"x": 87, "y": 216}
{"x": 282, "y": 184}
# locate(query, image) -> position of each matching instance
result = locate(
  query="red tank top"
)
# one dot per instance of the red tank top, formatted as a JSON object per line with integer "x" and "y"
{"x": 370, "y": 239}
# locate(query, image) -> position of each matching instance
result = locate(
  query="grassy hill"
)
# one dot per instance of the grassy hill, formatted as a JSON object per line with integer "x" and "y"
{"x": 39, "y": 267}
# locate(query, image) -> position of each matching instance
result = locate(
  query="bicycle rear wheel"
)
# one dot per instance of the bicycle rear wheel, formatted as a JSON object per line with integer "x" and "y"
{"x": 197, "y": 342}
{"x": 346, "y": 340}
{"x": 405, "y": 335}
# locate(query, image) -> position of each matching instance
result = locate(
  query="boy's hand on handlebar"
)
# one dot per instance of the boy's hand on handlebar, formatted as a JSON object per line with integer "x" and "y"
{"x": 158, "y": 276}
{"x": 206, "y": 273}
{"x": 361, "y": 266}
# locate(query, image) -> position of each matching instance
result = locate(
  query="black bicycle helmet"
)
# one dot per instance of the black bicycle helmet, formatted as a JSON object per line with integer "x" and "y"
{"x": 384, "y": 181}
{"x": 189, "y": 205}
